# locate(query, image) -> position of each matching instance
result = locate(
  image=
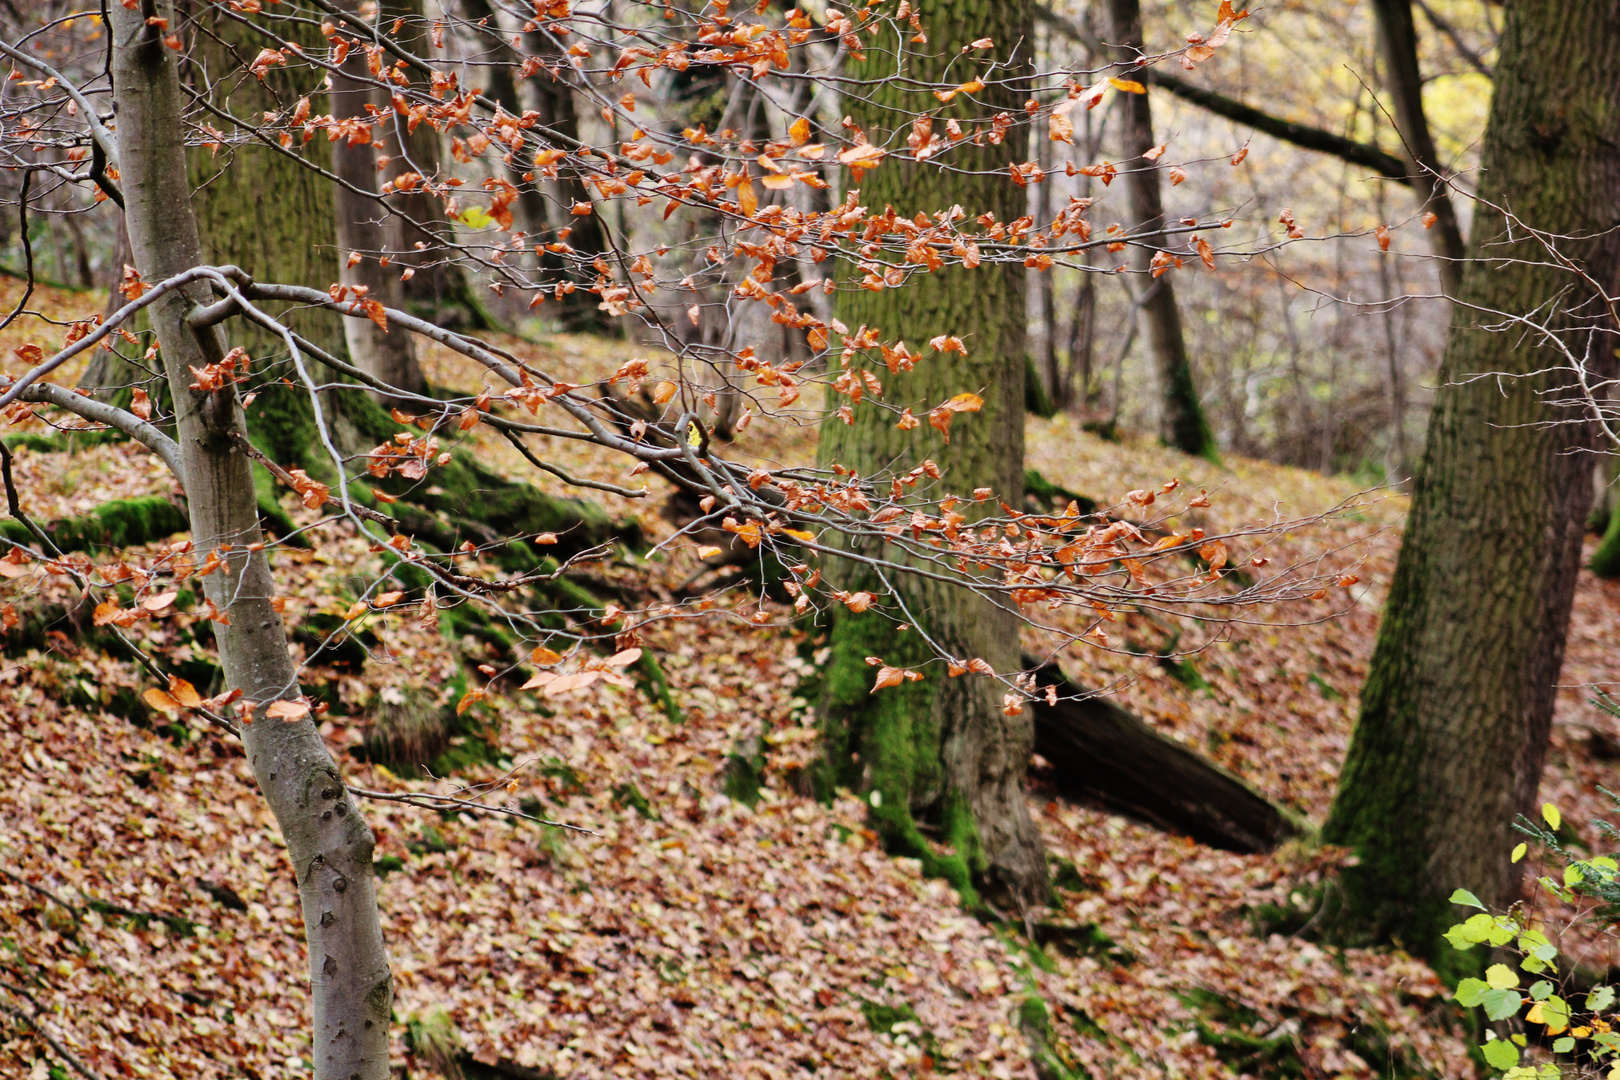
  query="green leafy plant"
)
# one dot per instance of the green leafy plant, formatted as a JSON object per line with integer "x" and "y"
{"x": 1533, "y": 1000}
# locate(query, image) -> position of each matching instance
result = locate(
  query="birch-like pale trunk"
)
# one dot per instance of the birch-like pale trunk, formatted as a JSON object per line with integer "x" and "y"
{"x": 327, "y": 840}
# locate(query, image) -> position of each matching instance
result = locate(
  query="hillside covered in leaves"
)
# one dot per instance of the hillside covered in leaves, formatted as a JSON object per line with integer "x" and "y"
{"x": 701, "y": 915}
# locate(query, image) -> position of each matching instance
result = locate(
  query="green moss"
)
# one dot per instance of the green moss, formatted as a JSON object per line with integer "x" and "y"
{"x": 886, "y": 746}
{"x": 1036, "y": 399}
{"x": 1052, "y": 497}
{"x": 1606, "y": 559}
{"x": 117, "y": 524}
{"x": 628, "y": 794}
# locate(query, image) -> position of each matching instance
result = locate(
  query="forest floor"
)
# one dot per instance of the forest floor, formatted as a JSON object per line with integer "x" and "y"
{"x": 689, "y": 934}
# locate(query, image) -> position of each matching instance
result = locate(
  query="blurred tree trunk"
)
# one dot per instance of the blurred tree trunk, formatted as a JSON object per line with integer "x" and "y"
{"x": 1397, "y": 42}
{"x": 437, "y": 287}
{"x": 1181, "y": 416}
{"x": 1459, "y": 696}
{"x": 363, "y": 230}
{"x": 552, "y": 96}
{"x": 328, "y": 842}
{"x": 941, "y": 749}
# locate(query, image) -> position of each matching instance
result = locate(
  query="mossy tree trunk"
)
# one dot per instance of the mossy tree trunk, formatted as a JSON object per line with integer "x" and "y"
{"x": 1459, "y": 697}
{"x": 1181, "y": 415}
{"x": 940, "y": 751}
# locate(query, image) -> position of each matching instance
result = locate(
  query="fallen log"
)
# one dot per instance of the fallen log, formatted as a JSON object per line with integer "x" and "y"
{"x": 1102, "y": 752}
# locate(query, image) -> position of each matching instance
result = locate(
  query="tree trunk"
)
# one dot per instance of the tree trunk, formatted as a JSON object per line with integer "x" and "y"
{"x": 941, "y": 748}
{"x": 501, "y": 59}
{"x": 438, "y": 288}
{"x": 1181, "y": 416}
{"x": 553, "y": 98}
{"x": 328, "y": 842}
{"x": 363, "y": 230}
{"x": 1459, "y": 696}
{"x": 1397, "y": 42}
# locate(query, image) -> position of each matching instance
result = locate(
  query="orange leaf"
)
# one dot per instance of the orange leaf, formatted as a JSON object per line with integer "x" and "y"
{"x": 663, "y": 392}
{"x": 184, "y": 693}
{"x": 888, "y": 676}
{"x": 160, "y": 701}
{"x": 160, "y": 601}
{"x": 287, "y": 710}
{"x": 799, "y": 131}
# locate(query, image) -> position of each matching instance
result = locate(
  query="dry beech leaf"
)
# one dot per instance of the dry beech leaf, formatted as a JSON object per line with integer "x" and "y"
{"x": 287, "y": 710}
{"x": 160, "y": 601}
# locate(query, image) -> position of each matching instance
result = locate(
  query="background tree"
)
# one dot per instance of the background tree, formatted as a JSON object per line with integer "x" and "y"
{"x": 1181, "y": 415}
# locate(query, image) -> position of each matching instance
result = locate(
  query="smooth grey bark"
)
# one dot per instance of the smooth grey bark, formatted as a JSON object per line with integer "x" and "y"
{"x": 327, "y": 840}
{"x": 363, "y": 229}
{"x": 1181, "y": 417}
{"x": 1397, "y": 41}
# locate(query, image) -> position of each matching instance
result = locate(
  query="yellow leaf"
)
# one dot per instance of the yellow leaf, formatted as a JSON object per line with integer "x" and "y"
{"x": 467, "y": 701}
{"x": 799, "y": 131}
{"x": 1550, "y": 814}
{"x": 357, "y": 609}
{"x": 708, "y": 551}
{"x": 1501, "y": 977}
{"x": 1130, "y": 86}
{"x": 1518, "y": 852}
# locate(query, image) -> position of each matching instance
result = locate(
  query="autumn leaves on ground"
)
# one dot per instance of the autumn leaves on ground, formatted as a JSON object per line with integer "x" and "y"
{"x": 701, "y": 926}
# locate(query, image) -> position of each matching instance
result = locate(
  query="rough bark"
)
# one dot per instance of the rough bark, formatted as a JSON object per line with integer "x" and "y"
{"x": 328, "y": 841}
{"x": 1181, "y": 416}
{"x": 363, "y": 229}
{"x": 1101, "y": 751}
{"x": 1397, "y": 42}
{"x": 940, "y": 749}
{"x": 1459, "y": 696}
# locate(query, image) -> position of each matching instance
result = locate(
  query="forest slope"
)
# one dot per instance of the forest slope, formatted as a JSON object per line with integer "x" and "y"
{"x": 689, "y": 934}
